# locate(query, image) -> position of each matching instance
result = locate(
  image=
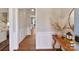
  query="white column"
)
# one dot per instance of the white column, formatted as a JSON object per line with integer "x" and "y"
{"x": 13, "y": 29}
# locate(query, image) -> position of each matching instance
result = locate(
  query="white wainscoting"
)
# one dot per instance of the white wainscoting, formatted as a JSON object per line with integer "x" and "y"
{"x": 44, "y": 40}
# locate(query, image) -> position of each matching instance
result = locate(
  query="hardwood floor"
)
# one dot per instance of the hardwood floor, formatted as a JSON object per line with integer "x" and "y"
{"x": 28, "y": 44}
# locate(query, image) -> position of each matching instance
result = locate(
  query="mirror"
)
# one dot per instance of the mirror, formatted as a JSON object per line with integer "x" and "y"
{"x": 71, "y": 19}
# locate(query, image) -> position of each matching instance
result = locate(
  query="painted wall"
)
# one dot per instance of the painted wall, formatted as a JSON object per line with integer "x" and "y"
{"x": 22, "y": 24}
{"x": 44, "y": 32}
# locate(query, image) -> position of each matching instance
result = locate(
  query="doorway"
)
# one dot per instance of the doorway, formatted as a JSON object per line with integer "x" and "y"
{"x": 27, "y": 22}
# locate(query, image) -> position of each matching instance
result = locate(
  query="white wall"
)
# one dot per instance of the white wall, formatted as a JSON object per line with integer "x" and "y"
{"x": 44, "y": 32}
{"x": 22, "y": 24}
{"x": 3, "y": 10}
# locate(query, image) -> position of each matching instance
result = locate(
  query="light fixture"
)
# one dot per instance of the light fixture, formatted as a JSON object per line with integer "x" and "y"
{"x": 7, "y": 23}
{"x": 32, "y": 9}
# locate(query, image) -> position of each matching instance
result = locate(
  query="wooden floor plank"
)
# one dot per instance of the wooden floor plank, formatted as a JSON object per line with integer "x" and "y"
{"x": 28, "y": 44}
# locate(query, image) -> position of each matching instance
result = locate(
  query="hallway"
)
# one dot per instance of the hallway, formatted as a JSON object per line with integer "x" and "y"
{"x": 28, "y": 44}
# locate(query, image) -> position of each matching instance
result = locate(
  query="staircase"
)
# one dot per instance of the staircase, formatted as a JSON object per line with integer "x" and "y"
{"x": 4, "y": 46}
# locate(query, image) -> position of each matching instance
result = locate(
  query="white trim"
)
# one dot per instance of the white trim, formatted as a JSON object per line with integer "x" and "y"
{"x": 17, "y": 28}
{"x": 13, "y": 30}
